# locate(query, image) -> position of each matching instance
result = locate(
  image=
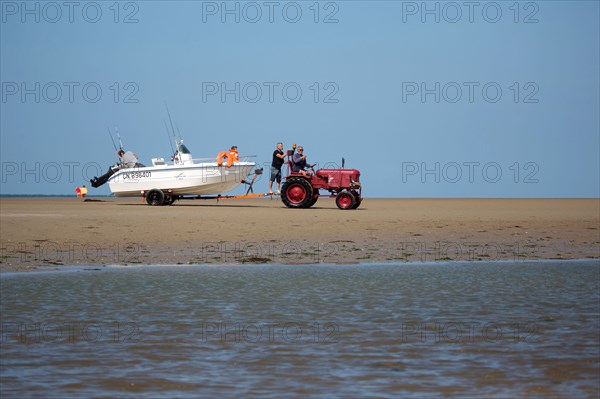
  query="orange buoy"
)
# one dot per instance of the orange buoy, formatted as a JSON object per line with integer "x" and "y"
{"x": 228, "y": 155}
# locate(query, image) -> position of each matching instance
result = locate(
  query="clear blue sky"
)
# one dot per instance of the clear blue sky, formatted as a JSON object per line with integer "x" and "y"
{"x": 436, "y": 99}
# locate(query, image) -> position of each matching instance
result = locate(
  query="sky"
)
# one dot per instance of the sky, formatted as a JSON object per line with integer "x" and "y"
{"x": 426, "y": 99}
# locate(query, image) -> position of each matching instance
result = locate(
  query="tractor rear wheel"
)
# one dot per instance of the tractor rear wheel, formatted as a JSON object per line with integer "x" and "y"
{"x": 297, "y": 193}
{"x": 345, "y": 200}
{"x": 155, "y": 197}
{"x": 314, "y": 200}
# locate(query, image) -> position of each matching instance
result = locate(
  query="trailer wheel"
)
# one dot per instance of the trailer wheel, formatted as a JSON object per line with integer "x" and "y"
{"x": 297, "y": 193}
{"x": 345, "y": 200}
{"x": 169, "y": 199}
{"x": 155, "y": 197}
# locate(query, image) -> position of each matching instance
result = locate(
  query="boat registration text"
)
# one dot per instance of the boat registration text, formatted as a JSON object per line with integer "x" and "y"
{"x": 135, "y": 175}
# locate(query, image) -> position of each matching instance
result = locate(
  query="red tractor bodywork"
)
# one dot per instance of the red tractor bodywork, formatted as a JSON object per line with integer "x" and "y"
{"x": 336, "y": 179}
{"x": 300, "y": 191}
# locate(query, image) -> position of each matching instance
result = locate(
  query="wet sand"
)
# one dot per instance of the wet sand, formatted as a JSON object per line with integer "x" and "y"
{"x": 38, "y": 233}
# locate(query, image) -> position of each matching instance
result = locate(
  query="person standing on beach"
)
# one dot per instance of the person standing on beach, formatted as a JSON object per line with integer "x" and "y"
{"x": 276, "y": 164}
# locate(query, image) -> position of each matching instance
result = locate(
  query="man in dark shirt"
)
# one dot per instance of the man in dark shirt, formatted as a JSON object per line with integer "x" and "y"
{"x": 278, "y": 157}
{"x": 299, "y": 163}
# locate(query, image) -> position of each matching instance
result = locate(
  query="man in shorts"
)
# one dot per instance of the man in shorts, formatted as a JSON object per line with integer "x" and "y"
{"x": 276, "y": 164}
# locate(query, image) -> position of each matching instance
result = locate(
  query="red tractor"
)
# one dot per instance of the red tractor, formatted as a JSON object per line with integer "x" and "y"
{"x": 300, "y": 191}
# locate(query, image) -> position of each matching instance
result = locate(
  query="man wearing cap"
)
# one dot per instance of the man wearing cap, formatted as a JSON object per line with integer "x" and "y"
{"x": 299, "y": 162}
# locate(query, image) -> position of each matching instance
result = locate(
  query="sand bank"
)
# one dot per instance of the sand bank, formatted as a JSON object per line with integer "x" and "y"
{"x": 67, "y": 231}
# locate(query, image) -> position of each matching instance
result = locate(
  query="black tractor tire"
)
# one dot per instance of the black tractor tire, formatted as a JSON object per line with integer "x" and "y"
{"x": 155, "y": 197}
{"x": 297, "y": 192}
{"x": 358, "y": 200}
{"x": 314, "y": 200}
{"x": 345, "y": 200}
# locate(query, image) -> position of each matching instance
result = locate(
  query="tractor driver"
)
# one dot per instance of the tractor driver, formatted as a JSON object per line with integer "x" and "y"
{"x": 299, "y": 164}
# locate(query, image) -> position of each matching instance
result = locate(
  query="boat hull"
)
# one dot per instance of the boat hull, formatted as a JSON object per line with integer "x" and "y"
{"x": 196, "y": 179}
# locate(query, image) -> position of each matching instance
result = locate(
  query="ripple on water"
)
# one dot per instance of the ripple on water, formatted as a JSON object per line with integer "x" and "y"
{"x": 457, "y": 330}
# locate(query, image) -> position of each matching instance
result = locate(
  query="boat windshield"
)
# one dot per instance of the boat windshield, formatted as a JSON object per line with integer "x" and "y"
{"x": 183, "y": 149}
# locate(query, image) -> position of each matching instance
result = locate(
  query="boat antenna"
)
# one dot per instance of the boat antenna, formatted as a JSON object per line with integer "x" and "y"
{"x": 170, "y": 144}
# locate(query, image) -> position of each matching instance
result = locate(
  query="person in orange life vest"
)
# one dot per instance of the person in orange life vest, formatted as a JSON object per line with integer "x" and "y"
{"x": 234, "y": 153}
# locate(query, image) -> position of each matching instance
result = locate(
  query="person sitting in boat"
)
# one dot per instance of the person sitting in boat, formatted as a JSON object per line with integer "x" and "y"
{"x": 299, "y": 164}
{"x": 234, "y": 153}
{"x": 128, "y": 159}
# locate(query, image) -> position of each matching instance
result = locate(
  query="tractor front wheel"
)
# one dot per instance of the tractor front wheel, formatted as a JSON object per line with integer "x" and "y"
{"x": 297, "y": 193}
{"x": 345, "y": 200}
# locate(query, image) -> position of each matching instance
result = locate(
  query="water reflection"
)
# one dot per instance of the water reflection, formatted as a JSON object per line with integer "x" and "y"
{"x": 459, "y": 330}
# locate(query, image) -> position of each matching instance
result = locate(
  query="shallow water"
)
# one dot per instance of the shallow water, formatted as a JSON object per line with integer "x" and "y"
{"x": 386, "y": 331}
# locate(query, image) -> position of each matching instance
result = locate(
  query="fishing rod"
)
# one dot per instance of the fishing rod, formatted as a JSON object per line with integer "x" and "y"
{"x": 170, "y": 120}
{"x": 113, "y": 141}
{"x": 178, "y": 132}
{"x": 111, "y": 138}
{"x": 172, "y": 128}
{"x": 170, "y": 144}
{"x": 177, "y": 142}
{"x": 119, "y": 136}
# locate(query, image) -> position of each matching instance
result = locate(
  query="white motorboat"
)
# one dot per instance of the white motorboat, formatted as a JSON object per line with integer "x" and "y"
{"x": 163, "y": 182}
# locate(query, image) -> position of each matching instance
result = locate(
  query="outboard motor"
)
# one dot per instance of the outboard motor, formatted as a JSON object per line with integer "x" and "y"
{"x": 98, "y": 181}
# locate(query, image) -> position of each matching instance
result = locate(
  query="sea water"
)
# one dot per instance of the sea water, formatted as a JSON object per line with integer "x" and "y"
{"x": 495, "y": 330}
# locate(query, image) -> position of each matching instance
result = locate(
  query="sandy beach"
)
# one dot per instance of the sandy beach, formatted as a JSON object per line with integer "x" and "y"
{"x": 42, "y": 233}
